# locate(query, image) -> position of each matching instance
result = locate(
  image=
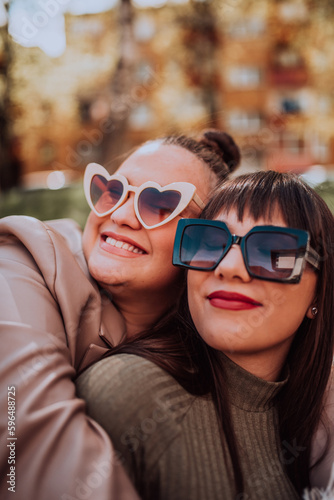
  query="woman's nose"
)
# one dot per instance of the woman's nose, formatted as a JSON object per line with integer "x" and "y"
{"x": 232, "y": 266}
{"x": 125, "y": 215}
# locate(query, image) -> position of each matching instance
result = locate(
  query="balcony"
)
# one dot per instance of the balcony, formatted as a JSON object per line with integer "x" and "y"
{"x": 296, "y": 76}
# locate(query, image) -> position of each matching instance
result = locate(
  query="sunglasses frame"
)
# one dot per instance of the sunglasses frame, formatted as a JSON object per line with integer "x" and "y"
{"x": 303, "y": 241}
{"x": 186, "y": 189}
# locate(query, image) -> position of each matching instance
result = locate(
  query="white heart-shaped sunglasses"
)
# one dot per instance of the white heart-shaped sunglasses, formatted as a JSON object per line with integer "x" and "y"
{"x": 154, "y": 205}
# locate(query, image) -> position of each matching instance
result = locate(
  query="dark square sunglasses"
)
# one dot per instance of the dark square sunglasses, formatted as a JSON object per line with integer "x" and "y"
{"x": 270, "y": 253}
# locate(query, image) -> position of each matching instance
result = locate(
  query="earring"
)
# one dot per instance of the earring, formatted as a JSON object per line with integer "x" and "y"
{"x": 314, "y": 311}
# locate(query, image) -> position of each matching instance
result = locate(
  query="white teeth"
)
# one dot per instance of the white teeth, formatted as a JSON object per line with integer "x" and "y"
{"x": 123, "y": 244}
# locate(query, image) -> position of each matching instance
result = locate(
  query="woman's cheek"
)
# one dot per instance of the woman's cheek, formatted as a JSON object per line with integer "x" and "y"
{"x": 196, "y": 306}
{"x": 90, "y": 234}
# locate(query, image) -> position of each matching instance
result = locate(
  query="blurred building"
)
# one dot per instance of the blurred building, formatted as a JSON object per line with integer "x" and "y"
{"x": 263, "y": 72}
{"x": 278, "y": 99}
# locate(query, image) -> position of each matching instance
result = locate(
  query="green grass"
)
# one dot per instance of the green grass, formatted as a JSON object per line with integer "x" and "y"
{"x": 45, "y": 204}
{"x": 326, "y": 191}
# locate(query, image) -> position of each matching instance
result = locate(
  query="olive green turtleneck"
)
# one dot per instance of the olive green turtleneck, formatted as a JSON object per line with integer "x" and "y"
{"x": 169, "y": 440}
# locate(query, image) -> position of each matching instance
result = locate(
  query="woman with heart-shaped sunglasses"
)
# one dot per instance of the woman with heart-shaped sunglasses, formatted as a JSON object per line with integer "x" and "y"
{"x": 66, "y": 301}
{"x": 128, "y": 238}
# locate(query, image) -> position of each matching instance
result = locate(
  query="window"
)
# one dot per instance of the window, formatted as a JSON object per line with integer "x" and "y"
{"x": 145, "y": 74}
{"x": 293, "y": 11}
{"x": 144, "y": 28}
{"x": 141, "y": 117}
{"x": 247, "y": 28}
{"x": 290, "y": 105}
{"x": 292, "y": 143}
{"x": 325, "y": 105}
{"x": 244, "y": 122}
{"x": 286, "y": 56}
{"x": 244, "y": 76}
{"x": 319, "y": 148}
{"x": 301, "y": 101}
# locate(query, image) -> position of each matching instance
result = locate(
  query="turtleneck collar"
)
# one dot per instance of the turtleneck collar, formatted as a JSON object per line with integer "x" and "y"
{"x": 247, "y": 391}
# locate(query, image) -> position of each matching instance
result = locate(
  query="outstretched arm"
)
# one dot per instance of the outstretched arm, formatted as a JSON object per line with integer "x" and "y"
{"x": 49, "y": 448}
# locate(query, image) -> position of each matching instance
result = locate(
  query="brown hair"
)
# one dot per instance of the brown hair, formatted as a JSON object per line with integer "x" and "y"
{"x": 175, "y": 345}
{"x": 215, "y": 148}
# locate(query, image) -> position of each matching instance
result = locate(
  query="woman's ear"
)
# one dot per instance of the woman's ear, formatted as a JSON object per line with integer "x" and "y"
{"x": 312, "y": 311}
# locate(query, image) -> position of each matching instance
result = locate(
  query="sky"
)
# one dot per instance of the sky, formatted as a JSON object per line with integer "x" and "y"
{"x": 40, "y": 23}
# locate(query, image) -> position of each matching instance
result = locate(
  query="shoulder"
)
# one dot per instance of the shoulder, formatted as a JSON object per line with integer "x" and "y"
{"x": 28, "y": 239}
{"x": 69, "y": 230}
{"x": 28, "y": 230}
{"x": 324, "y": 440}
{"x": 141, "y": 407}
{"x": 21, "y": 227}
{"x": 329, "y": 398}
{"x": 34, "y": 250}
{"x": 24, "y": 241}
{"x": 126, "y": 392}
{"x": 128, "y": 380}
{"x": 124, "y": 366}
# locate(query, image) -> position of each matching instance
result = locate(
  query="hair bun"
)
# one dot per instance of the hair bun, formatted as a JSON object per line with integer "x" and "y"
{"x": 223, "y": 145}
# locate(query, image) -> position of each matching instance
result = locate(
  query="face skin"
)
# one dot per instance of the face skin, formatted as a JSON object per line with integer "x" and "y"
{"x": 143, "y": 284}
{"x": 257, "y": 338}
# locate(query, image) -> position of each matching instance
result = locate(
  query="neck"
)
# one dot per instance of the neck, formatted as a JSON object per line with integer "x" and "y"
{"x": 143, "y": 312}
{"x": 265, "y": 364}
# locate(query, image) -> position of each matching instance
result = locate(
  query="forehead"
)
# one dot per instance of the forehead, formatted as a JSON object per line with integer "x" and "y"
{"x": 163, "y": 164}
{"x": 241, "y": 227}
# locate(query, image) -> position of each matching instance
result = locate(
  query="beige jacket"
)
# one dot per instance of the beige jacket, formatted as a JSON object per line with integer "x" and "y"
{"x": 53, "y": 323}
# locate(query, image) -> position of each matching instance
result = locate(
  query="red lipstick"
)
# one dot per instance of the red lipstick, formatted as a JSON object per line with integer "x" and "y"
{"x": 232, "y": 301}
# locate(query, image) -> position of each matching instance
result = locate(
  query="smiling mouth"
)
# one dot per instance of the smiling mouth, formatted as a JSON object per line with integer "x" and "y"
{"x": 122, "y": 244}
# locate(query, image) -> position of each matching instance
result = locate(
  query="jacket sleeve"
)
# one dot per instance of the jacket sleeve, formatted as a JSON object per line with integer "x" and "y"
{"x": 49, "y": 448}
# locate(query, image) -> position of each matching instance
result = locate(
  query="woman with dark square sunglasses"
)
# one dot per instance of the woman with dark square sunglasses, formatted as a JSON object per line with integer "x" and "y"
{"x": 235, "y": 396}
{"x": 66, "y": 301}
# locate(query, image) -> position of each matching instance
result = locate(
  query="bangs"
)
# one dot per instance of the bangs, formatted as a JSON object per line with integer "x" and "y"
{"x": 260, "y": 194}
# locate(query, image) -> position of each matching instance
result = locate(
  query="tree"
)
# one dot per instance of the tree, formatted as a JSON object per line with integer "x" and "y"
{"x": 201, "y": 40}
{"x": 122, "y": 83}
{"x": 9, "y": 162}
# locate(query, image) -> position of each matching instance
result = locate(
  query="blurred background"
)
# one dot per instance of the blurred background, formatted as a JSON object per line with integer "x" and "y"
{"x": 87, "y": 80}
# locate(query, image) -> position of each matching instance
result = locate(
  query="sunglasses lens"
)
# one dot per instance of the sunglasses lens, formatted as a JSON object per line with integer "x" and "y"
{"x": 272, "y": 255}
{"x": 105, "y": 194}
{"x": 155, "y": 206}
{"x": 203, "y": 246}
